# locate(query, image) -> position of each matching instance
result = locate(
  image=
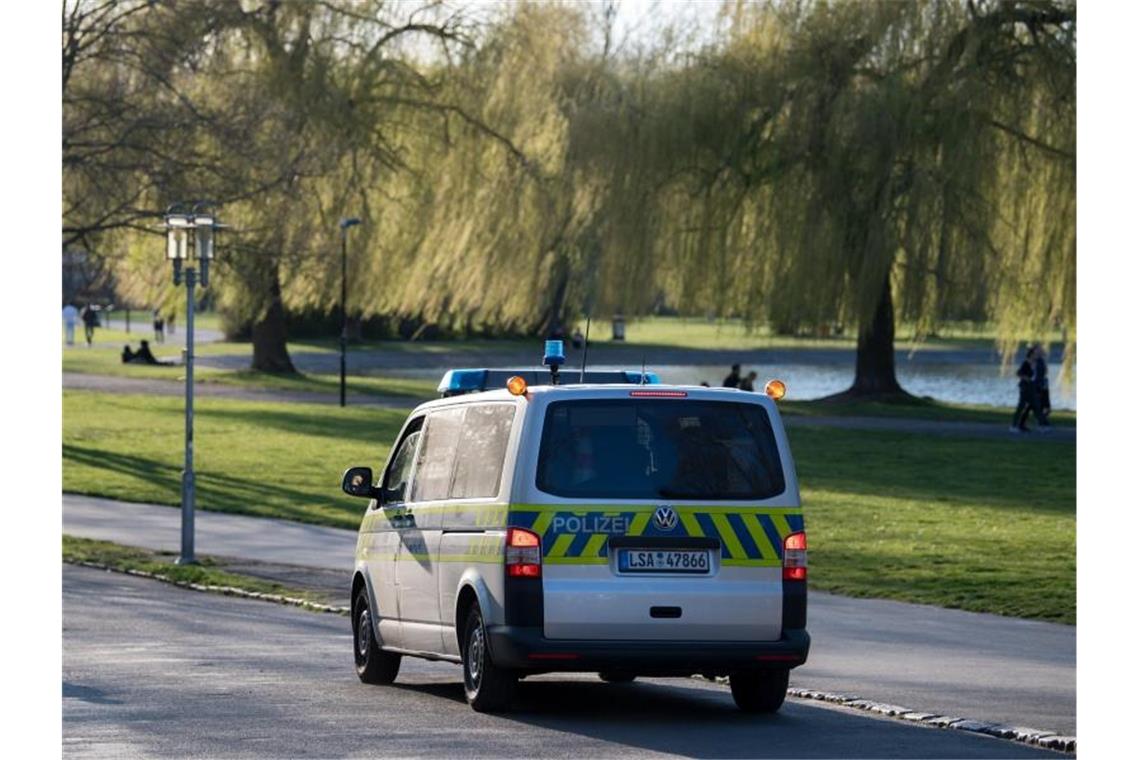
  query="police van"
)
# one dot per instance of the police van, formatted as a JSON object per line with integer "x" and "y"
{"x": 625, "y": 527}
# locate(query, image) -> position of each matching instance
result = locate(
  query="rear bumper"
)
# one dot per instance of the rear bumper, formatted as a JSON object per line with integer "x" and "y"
{"x": 525, "y": 648}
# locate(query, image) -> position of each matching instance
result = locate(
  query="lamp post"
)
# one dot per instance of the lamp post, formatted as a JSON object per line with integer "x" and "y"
{"x": 190, "y": 236}
{"x": 344, "y": 225}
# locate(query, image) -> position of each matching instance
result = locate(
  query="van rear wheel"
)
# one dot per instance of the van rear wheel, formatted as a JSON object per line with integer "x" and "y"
{"x": 759, "y": 691}
{"x": 488, "y": 688}
{"x": 373, "y": 664}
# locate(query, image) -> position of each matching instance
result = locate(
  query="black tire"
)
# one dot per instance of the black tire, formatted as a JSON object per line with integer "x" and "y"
{"x": 610, "y": 676}
{"x": 759, "y": 691}
{"x": 488, "y": 688}
{"x": 373, "y": 664}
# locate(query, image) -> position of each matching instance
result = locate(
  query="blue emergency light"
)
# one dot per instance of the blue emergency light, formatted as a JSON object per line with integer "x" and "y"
{"x": 555, "y": 354}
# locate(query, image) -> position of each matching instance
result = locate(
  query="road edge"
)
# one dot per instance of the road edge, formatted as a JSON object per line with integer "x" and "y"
{"x": 223, "y": 590}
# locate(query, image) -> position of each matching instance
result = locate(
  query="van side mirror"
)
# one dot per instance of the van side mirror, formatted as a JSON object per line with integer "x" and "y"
{"x": 357, "y": 481}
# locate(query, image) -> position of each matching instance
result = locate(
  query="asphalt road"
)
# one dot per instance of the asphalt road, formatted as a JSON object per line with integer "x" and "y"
{"x": 949, "y": 662}
{"x": 151, "y": 670}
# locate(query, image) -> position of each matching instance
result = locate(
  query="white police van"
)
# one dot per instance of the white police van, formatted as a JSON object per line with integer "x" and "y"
{"x": 625, "y": 527}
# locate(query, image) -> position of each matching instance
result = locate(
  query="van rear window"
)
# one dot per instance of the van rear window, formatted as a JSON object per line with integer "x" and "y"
{"x": 659, "y": 449}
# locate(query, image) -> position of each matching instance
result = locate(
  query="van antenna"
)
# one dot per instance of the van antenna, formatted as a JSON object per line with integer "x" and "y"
{"x": 585, "y": 350}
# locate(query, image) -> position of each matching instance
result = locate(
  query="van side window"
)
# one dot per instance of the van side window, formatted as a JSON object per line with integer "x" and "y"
{"x": 481, "y": 451}
{"x": 394, "y": 489}
{"x": 437, "y": 455}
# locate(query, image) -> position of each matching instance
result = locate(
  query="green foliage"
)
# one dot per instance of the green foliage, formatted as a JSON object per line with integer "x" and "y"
{"x": 515, "y": 173}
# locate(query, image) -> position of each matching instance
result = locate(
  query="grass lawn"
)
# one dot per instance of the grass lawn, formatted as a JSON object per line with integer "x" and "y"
{"x": 980, "y": 524}
{"x": 918, "y": 409}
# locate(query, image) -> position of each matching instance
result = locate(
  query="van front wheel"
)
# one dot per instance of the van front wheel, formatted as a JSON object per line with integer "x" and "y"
{"x": 373, "y": 664}
{"x": 759, "y": 691}
{"x": 488, "y": 688}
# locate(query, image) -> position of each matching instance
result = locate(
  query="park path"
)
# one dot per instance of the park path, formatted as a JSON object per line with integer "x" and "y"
{"x": 986, "y": 667}
{"x": 115, "y": 384}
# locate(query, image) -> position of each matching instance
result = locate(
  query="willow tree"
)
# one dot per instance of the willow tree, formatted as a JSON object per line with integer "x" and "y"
{"x": 882, "y": 154}
{"x": 277, "y": 111}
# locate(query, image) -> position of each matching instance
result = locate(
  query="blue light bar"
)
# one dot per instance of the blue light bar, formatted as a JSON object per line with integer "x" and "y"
{"x": 555, "y": 353}
{"x": 651, "y": 378}
{"x": 457, "y": 381}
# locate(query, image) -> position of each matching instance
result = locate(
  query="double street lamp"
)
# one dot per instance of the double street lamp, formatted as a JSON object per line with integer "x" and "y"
{"x": 344, "y": 225}
{"x": 190, "y": 237}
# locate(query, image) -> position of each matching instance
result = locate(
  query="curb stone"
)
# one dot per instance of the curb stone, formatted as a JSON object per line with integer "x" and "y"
{"x": 224, "y": 590}
{"x": 1031, "y": 736}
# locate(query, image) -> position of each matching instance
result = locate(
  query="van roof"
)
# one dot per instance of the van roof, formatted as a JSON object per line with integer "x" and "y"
{"x": 609, "y": 390}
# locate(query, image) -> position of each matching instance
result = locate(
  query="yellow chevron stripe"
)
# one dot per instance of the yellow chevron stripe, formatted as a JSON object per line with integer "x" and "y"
{"x": 728, "y": 537}
{"x": 561, "y": 544}
{"x": 782, "y": 526}
{"x": 640, "y": 520}
{"x": 760, "y": 537}
{"x": 594, "y": 545}
{"x": 542, "y": 522}
{"x": 692, "y": 527}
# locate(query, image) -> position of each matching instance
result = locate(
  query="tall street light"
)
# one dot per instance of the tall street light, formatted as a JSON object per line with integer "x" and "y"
{"x": 344, "y": 225}
{"x": 190, "y": 236}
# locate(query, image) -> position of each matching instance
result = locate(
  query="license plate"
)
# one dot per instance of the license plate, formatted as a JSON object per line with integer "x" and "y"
{"x": 663, "y": 561}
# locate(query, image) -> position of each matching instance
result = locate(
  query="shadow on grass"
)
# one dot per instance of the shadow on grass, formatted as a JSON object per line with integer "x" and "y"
{"x": 225, "y": 493}
{"x": 370, "y": 426}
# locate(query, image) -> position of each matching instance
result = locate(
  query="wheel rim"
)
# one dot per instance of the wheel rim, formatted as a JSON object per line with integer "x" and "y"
{"x": 475, "y": 646}
{"x": 363, "y": 634}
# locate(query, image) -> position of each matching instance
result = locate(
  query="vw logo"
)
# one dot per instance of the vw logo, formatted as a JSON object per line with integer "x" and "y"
{"x": 665, "y": 518}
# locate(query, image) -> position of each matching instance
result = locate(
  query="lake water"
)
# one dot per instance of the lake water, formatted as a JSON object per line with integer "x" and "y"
{"x": 952, "y": 382}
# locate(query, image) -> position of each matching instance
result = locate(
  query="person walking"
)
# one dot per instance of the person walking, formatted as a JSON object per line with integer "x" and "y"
{"x": 733, "y": 379}
{"x": 1041, "y": 385}
{"x": 1026, "y": 395}
{"x": 90, "y": 320}
{"x": 159, "y": 323}
{"x": 748, "y": 383}
{"x": 70, "y": 317}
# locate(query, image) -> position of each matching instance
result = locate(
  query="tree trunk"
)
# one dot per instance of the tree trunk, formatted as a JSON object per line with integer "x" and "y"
{"x": 875, "y": 353}
{"x": 270, "y": 353}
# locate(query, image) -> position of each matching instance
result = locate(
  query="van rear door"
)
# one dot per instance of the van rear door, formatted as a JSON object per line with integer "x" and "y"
{"x": 661, "y": 517}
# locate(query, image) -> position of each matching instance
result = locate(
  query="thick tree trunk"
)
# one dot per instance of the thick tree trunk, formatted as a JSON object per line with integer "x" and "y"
{"x": 270, "y": 353}
{"x": 875, "y": 354}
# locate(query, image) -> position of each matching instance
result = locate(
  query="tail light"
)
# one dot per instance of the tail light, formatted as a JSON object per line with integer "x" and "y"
{"x": 795, "y": 557}
{"x": 524, "y": 554}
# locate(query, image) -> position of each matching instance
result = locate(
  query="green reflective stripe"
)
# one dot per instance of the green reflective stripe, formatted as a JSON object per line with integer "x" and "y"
{"x": 782, "y": 526}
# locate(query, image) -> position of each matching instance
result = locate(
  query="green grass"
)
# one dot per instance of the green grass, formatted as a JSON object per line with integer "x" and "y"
{"x": 268, "y": 459}
{"x": 980, "y": 524}
{"x": 206, "y": 572}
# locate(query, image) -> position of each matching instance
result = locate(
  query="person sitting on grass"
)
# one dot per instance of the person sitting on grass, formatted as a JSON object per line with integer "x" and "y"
{"x": 142, "y": 356}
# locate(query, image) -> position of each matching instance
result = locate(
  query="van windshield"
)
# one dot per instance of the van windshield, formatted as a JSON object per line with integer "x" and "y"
{"x": 659, "y": 449}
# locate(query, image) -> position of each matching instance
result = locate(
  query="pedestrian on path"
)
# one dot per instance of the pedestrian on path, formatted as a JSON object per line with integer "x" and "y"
{"x": 70, "y": 317}
{"x": 1041, "y": 382}
{"x": 90, "y": 321}
{"x": 733, "y": 379}
{"x": 1027, "y": 396}
{"x": 159, "y": 323}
